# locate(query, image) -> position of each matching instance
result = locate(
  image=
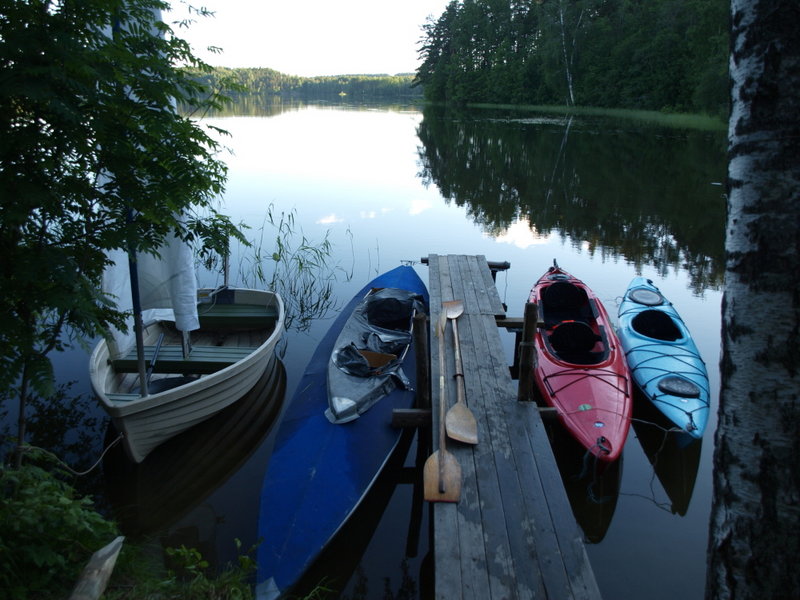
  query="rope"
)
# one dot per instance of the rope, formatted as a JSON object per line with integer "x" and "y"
{"x": 665, "y": 506}
{"x": 590, "y": 460}
{"x": 26, "y": 448}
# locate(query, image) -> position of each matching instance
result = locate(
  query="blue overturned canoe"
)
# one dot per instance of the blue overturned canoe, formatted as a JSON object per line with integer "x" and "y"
{"x": 663, "y": 358}
{"x": 329, "y": 451}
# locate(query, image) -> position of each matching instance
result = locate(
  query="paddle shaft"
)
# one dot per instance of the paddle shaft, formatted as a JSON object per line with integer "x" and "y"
{"x": 459, "y": 374}
{"x": 442, "y": 473}
{"x": 442, "y": 405}
{"x": 460, "y": 423}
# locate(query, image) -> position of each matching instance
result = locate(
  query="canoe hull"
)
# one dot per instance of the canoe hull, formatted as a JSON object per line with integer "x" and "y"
{"x": 663, "y": 357}
{"x": 177, "y": 476}
{"x": 319, "y": 471}
{"x": 584, "y": 377}
{"x": 146, "y": 422}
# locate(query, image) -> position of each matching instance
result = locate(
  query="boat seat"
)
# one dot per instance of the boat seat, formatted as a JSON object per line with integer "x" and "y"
{"x": 201, "y": 360}
{"x": 154, "y": 387}
{"x": 656, "y": 324}
{"x": 123, "y": 397}
{"x": 573, "y": 337}
{"x": 245, "y": 316}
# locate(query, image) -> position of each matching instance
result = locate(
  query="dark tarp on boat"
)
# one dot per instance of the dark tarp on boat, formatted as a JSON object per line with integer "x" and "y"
{"x": 366, "y": 362}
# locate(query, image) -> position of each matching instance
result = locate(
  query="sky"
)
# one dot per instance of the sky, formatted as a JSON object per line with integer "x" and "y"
{"x": 311, "y": 37}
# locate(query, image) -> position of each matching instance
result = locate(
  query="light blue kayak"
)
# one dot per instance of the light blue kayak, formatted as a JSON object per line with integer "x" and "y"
{"x": 663, "y": 358}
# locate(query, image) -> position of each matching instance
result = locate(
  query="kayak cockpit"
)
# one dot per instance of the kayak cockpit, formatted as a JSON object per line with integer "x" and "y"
{"x": 573, "y": 333}
{"x": 366, "y": 362}
{"x": 656, "y": 324}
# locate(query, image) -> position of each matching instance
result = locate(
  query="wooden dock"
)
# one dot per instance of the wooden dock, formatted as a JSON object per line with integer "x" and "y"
{"x": 512, "y": 534}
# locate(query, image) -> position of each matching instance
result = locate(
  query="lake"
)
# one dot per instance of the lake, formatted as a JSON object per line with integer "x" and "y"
{"x": 607, "y": 198}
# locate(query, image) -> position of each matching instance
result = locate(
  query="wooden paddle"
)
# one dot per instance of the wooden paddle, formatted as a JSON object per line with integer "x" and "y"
{"x": 441, "y": 474}
{"x": 460, "y": 421}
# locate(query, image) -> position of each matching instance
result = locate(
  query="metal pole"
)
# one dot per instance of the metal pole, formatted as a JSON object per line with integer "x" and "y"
{"x": 138, "y": 327}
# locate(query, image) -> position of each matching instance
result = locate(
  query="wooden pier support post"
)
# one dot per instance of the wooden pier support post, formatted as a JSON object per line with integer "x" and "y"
{"x": 423, "y": 365}
{"x": 420, "y": 415}
{"x": 527, "y": 354}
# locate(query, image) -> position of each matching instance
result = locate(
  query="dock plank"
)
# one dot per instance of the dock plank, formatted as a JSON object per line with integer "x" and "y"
{"x": 497, "y": 469}
{"x": 513, "y": 534}
{"x": 496, "y": 543}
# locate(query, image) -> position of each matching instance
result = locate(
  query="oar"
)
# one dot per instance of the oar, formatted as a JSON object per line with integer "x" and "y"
{"x": 441, "y": 474}
{"x": 460, "y": 421}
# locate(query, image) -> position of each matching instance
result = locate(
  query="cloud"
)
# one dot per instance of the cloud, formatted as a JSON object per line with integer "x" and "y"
{"x": 522, "y": 235}
{"x": 329, "y": 220}
{"x": 373, "y": 214}
{"x": 419, "y": 206}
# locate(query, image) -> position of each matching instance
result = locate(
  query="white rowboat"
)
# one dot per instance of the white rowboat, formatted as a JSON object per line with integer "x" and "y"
{"x": 239, "y": 329}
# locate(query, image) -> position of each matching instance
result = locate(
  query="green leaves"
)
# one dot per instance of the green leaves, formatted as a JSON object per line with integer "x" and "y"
{"x": 47, "y": 533}
{"x": 655, "y": 55}
{"x": 299, "y": 269}
{"x": 90, "y": 130}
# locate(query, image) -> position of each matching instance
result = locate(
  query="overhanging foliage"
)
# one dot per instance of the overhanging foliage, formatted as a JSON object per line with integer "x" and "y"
{"x": 90, "y": 132}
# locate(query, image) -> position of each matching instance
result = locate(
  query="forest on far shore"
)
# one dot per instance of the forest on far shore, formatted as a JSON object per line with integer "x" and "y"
{"x": 663, "y": 55}
{"x": 660, "y": 55}
{"x": 268, "y": 82}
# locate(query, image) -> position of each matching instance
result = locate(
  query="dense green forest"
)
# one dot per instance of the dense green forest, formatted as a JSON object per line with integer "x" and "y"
{"x": 268, "y": 82}
{"x": 666, "y": 55}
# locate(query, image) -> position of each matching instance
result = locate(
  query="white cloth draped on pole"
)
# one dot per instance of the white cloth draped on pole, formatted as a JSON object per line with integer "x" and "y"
{"x": 167, "y": 288}
{"x": 167, "y": 283}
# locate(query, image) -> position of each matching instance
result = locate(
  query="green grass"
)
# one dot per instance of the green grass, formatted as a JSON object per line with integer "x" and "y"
{"x": 677, "y": 120}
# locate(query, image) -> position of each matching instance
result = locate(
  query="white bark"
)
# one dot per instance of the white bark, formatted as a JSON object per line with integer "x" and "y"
{"x": 567, "y": 59}
{"x": 755, "y": 527}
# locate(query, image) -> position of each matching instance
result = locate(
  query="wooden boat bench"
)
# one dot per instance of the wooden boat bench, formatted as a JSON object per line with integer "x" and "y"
{"x": 201, "y": 360}
{"x": 245, "y": 316}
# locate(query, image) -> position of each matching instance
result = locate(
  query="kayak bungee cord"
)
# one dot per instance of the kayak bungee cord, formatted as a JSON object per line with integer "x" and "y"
{"x": 581, "y": 374}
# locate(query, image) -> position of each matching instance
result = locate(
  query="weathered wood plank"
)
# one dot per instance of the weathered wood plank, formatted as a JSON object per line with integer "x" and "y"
{"x": 491, "y": 288}
{"x": 513, "y": 489}
{"x": 582, "y": 584}
{"x": 96, "y": 573}
{"x": 447, "y": 551}
{"x": 499, "y": 484}
{"x": 170, "y": 359}
{"x": 488, "y": 299}
{"x": 527, "y": 446}
{"x": 473, "y": 513}
{"x": 512, "y": 535}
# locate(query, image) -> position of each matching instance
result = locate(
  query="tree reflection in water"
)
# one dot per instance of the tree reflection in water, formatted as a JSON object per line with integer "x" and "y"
{"x": 646, "y": 193}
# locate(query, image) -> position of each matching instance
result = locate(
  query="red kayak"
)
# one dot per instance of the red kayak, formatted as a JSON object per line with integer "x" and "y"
{"x": 581, "y": 369}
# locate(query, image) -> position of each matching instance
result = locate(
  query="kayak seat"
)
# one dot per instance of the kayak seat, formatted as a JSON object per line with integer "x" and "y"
{"x": 390, "y": 309}
{"x": 564, "y": 301}
{"x": 657, "y": 325}
{"x": 573, "y": 337}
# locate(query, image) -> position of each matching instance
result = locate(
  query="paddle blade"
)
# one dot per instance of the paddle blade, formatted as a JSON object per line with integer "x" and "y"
{"x": 448, "y": 487}
{"x": 461, "y": 424}
{"x": 453, "y": 308}
{"x": 441, "y": 324}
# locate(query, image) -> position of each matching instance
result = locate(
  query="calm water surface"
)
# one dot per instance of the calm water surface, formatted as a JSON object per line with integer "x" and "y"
{"x": 608, "y": 199}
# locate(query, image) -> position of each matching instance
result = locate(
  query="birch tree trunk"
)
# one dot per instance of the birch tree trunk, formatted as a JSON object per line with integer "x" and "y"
{"x": 569, "y": 55}
{"x": 754, "y": 537}
{"x": 567, "y": 61}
